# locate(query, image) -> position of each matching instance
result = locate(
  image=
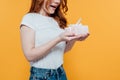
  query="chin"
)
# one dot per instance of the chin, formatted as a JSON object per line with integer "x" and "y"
{"x": 52, "y": 12}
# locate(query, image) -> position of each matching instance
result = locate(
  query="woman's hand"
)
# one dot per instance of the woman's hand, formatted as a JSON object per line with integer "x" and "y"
{"x": 82, "y": 37}
{"x": 67, "y": 36}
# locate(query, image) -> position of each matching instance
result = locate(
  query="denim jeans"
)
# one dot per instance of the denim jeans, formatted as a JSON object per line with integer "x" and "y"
{"x": 47, "y": 74}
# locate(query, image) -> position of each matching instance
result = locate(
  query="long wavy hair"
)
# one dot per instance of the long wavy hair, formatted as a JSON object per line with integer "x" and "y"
{"x": 59, "y": 14}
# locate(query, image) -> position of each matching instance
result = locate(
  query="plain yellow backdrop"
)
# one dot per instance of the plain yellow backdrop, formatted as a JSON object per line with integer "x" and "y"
{"x": 96, "y": 58}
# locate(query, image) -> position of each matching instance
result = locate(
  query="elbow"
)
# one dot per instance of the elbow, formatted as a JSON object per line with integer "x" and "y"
{"x": 30, "y": 59}
{"x": 32, "y": 56}
{"x": 29, "y": 56}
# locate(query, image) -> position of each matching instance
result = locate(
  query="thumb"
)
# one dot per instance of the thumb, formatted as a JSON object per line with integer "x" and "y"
{"x": 70, "y": 38}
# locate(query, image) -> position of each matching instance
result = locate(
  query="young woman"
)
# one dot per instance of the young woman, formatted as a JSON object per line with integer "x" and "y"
{"x": 44, "y": 40}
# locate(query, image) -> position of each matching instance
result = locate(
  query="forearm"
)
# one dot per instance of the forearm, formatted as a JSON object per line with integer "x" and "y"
{"x": 42, "y": 50}
{"x": 69, "y": 45}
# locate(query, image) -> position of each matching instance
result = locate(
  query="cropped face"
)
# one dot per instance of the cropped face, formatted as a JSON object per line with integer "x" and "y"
{"x": 49, "y": 6}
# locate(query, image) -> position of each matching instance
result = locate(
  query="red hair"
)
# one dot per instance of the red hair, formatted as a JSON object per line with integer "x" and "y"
{"x": 59, "y": 14}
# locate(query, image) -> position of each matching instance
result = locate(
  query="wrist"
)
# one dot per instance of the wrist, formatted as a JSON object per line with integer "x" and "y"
{"x": 58, "y": 39}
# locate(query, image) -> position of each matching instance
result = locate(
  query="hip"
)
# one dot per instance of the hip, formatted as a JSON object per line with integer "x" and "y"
{"x": 47, "y": 74}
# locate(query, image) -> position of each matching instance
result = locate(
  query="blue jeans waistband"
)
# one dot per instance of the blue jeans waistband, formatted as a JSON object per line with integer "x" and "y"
{"x": 59, "y": 70}
{"x": 48, "y": 74}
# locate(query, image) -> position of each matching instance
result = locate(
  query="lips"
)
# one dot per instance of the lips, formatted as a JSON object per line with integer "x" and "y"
{"x": 53, "y": 6}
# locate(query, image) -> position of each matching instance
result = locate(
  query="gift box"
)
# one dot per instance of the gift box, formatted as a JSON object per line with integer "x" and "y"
{"x": 78, "y": 28}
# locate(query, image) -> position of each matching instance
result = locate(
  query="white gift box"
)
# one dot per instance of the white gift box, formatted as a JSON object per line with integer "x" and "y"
{"x": 78, "y": 28}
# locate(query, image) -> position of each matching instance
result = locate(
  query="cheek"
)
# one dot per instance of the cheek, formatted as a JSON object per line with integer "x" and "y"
{"x": 47, "y": 6}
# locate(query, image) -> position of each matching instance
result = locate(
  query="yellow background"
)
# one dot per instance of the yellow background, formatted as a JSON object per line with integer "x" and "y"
{"x": 97, "y": 58}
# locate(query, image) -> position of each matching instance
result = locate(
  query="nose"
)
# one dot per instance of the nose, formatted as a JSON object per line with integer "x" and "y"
{"x": 57, "y": 1}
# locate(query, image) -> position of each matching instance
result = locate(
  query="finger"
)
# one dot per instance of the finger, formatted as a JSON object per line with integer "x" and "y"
{"x": 83, "y": 38}
{"x": 80, "y": 35}
{"x": 87, "y": 35}
{"x": 71, "y": 34}
{"x": 70, "y": 38}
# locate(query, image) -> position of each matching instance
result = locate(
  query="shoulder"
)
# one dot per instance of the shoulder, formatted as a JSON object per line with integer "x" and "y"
{"x": 28, "y": 16}
{"x": 34, "y": 17}
{"x": 28, "y": 20}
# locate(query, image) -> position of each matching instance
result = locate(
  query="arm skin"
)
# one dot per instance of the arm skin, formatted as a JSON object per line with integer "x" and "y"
{"x": 33, "y": 53}
{"x": 71, "y": 43}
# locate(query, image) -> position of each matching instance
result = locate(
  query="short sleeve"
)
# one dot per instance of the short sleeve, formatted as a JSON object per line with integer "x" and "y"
{"x": 27, "y": 20}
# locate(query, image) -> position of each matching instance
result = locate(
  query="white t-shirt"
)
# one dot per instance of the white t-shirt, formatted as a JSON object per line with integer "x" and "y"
{"x": 46, "y": 29}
